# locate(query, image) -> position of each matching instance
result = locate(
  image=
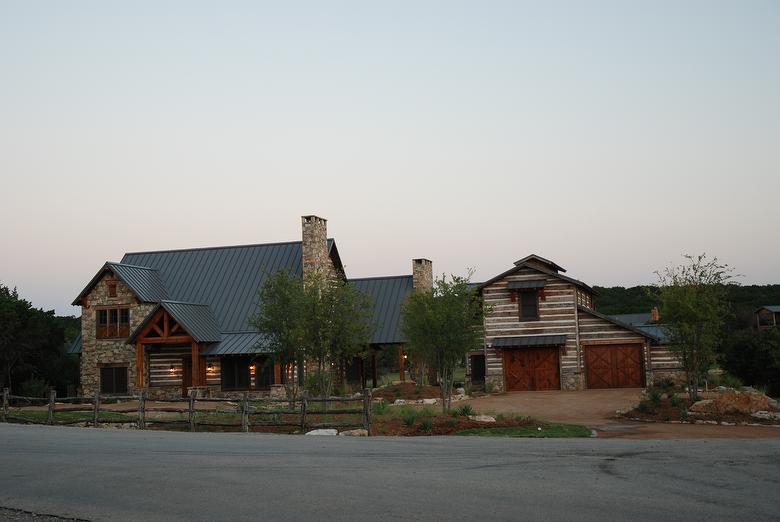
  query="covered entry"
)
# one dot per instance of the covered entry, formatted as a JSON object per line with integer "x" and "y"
{"x": 531, "y": 363}
{"x": 614, "y": 365}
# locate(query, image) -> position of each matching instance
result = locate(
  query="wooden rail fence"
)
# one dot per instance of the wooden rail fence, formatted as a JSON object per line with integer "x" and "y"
{"x": 264, "y": 415}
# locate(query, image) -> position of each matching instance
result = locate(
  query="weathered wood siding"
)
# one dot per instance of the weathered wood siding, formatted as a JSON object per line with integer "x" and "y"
{"x": 556, "y": 317}
{"x": 160, "y": 363}
{"x": 662, "y": 359}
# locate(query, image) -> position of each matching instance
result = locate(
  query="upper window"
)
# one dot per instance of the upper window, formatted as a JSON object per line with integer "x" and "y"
{"x": 529, "y": 305}
{"x": 113, "y": 322}
{"x": 112, "y": 289}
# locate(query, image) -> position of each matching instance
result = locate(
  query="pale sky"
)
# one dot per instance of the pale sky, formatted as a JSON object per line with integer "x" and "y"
{"x": 610, "y": 137}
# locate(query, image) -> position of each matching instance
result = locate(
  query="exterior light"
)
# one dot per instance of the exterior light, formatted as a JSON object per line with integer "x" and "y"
{"x": 252, "y": 367}
{"x": 172, "y": 369}
{"x": 406, "y": 356}
{"x": 209, "y": 367}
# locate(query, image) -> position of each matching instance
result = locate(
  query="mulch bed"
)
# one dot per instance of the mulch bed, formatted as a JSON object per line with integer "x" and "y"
{"x": 441, "y": 425}
{"x": 665, "y": 412}
{"x": 407, "y": 391}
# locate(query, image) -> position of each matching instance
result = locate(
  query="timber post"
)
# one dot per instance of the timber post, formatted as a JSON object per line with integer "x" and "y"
{"x": 367, "y": 410}
{"x": 142, "y": 410}
{"x": 192, "y": 409}
{"x": 304, "y": 407}
{"x": 97, "y": 410}
{"x": 4, "y": 413}
{"x": 245, "y": 413}
{"x": 52, "y": 396}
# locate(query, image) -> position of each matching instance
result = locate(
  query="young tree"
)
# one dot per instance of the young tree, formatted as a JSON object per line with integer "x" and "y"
{"x": 694, "y": 306}
{"x": 441, "y": 326}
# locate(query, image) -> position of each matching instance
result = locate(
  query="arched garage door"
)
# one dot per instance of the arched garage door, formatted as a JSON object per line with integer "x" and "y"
{"x": 614, "y": 365}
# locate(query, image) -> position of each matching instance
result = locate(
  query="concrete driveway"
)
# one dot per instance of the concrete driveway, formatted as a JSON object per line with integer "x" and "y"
{"x": 591, "y": 407}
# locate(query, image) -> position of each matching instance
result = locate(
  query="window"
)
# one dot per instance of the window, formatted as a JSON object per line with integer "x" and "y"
{"x": 235, "y": 373}
{"x": 113, "y": 322}
{"x": 264, "y": 372}
{"x": 765, "y": 318}
{"x": 529, "y": 305}
{"x": 113, "y": 379}
{"x": 111, "y": 289}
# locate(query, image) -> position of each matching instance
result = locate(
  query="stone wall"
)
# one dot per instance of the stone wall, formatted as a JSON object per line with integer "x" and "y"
{"x": 422, "y": 274}
{"x": 314, "y": 247}
{"x": 98, "y": 352}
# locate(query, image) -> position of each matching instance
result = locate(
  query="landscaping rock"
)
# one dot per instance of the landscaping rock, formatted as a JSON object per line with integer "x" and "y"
{"x": 430, "y": 401}
{"x": 361, "y": 432}
{"x": 482, "y": 418}
{"x": 326, "y": 432}
{"x": 744, "y": 402}
{"x": 399, "y": 402}
{"x": 460, "y": 391}
{"x": 703, "y": 406}
{"x": 766, "y": 415}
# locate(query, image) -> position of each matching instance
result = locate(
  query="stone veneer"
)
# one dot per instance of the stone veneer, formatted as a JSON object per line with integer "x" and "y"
{"x": 422, "y": 274}
{"x": 314, "y": 247}
{"x": 98, "y": 352}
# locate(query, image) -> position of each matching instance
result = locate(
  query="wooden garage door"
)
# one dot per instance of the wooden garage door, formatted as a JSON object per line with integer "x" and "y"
{"x": 614, "y": 366}
{"x": 529, "y": 369}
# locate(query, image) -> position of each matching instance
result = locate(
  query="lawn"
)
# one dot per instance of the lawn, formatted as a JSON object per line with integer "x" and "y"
{"x": 41, "y": 416}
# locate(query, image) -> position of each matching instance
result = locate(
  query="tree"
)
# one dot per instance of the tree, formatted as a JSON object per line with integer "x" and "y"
{"x": 754, "y": 357}
{"x": 694, "y": 306}
{"x": 441, "y": 326}
{"x": 319, "y": 320}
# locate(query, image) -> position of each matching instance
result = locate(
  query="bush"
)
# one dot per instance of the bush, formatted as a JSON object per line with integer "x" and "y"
{"x": 380, "y": 407}
{"x": 33, "y": 388}
{"x": 674, "y": 400}
{"x": 655, "y": 397}
{"x": 489, "y": 387}
{"x": 397, "y": 392}
{"x": 312, "y": 383}
{"x": 754, "y": 357}
{"x": 727, "y": 380}
{"x": 664, "y": 383}
{"x": 426, "y": 425}
{"x": 452, "y": 423}
{"x": 644, "y": 407}
{"x": 464, "y": 411}
{"x": 409, "y": 417}
{"x": 683, "y": 414}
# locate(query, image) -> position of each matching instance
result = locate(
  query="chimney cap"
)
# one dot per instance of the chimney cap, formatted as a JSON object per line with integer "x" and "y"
{"x": 312, "y": 217}
{"x": 421, "y": 259}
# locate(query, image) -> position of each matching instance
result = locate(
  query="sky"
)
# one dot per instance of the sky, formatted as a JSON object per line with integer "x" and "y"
{"x": 610, "y": 137}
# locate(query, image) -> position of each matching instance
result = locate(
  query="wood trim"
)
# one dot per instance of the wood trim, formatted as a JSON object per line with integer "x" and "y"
{"x": 112, "y": 307}
{"x": 176, "y": 339}
{"x": 195, "y": 362}
{"x": 626, "y": 341}
{"x": 139, "y": 365}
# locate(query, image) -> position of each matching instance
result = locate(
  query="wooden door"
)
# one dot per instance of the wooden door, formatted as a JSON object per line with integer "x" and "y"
{"x": 186, "y": 376}
{"x": 529, "y": 369}
{"x": 614, "y": 366}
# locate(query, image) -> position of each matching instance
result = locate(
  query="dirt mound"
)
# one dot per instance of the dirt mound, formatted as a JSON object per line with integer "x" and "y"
{"x": 735, "y": 402}
{"x": 406, "y": 391}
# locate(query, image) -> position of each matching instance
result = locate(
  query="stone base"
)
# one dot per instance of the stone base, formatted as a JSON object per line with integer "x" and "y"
{"x": 497, "y": 382}
{"x": 277, "y": 392}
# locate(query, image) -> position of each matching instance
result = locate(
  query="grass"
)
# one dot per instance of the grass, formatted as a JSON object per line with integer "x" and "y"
{"x": 41, "y": 416}
{"x": 546, "y": 431}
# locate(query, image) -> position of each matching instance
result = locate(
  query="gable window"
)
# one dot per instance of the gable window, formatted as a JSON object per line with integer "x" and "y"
{"x": 112, "y": 289}
{"x": 113, "y": 379}
{"x": 528, "y": 305}
{"x": 235, "y": 373}
{"x": 112, "y": 322}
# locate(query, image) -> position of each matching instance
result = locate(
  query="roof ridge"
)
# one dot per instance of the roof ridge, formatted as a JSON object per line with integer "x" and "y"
{"x": 131, "y": 265}
{"x": 183, "y": 302}
{"x": 379, "y": 277}
{"x": 194, "y": 249}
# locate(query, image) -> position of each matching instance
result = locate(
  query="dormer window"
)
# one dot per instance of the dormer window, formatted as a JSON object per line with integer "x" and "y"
{"x": 112, "y": 289}
{"x": 528, "y": 305}
{"x": 112, "y": 322}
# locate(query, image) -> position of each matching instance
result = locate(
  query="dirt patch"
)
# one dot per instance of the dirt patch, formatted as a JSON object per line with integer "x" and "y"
{"x": 407, "y": 391}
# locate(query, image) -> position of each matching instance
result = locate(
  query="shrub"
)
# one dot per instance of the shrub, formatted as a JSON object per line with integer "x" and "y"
{"x": 644, "y": 407}
{"x": 674, "y": 400}
{"x": 683, "y": 414}
{"x": 380, "y": 407}
{"x": 426, "y": 425}
{"x": 465, "y": 410}
{"x": 727, "y": 380}
{"x": 467, "y": 389}
{"x": 664, "y": 383}
{"x": 754, "y": 357}
{"x": 655, "y": 397}
{"x": 452, "y": 422}
{"x": 489, "y": 387}
{"x": 409, "y": 417}
{"x": 312, "y": 383}
{"x": 33, "y": 388}
{"x": 397, "y": 392}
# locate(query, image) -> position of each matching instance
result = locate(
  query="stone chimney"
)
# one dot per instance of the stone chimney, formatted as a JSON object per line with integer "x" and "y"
{"x": 422, "y": 274}
{"x": 654, "y": 315}
{"x": 315, "y": 246}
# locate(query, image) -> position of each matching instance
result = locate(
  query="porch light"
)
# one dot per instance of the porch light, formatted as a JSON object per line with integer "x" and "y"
{"x": 209, "y": 367}
{"x": 406, "y": 356}
{"x": 172, "y": 369}
{"x": 252, "y": 367}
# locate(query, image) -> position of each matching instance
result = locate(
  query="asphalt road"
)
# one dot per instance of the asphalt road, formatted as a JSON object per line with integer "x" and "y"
{"x": 109, "y": 474}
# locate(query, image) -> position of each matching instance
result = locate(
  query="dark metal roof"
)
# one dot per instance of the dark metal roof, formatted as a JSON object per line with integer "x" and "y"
{"x": 528, "y": 340}
{"x": 552, "y": 273}
{"x": 75, "y": 346}
{"x": 514, "y": 285}
{"x": 771, "y": 308}
{"x": 634, "y": 319}
{"x": 659, "y": 331}
{"x": 387, "y": 295}
{"x": 144, "y": 281}
{"x": 197, "y": 319}
{"x": 534, "y": 257}
{"x": 237, "y": 343}
{"x": 225, "y": 278}
{"x": 634, "y": 329}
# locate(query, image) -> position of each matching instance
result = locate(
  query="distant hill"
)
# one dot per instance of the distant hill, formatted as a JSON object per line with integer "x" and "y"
{"x": 744, "y": 301}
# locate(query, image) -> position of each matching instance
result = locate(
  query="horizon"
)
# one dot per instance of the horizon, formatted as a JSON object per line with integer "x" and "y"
{"x": 609, "y": 138}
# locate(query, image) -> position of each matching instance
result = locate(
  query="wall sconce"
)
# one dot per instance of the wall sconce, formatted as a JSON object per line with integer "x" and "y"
{"x": 209, "y": 367}
{"x": 172, "y": 369}
{"x": 406, "y": 356}
{"x": 252, "y": 368}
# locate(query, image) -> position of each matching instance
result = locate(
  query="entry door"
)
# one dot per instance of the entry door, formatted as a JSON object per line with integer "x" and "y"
{"x": 186, "y": 375}
{"x": 614, "y": 366}
{"x": 530, "y": 369}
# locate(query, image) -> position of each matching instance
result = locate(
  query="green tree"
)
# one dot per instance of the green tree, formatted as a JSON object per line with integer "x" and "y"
{"x": 318, "y": 321}
{"x": 694, "y": 305}
{"x": 441, "y": 326}
{"x": 754, "y": 357}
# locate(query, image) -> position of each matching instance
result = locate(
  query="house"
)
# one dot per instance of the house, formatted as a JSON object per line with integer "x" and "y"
{"x": 173, "y": 320}
{"x": 768, "y": 317}
{"x": 542, "y": 332}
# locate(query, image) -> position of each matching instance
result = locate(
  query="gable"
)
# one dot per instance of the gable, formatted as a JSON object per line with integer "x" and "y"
{"x": 143, "y": 282}
{"x": 524, "y": 266}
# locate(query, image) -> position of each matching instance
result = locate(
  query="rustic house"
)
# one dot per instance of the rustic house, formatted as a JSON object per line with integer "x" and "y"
{"x": 768, "y": 317}
{"x": 170, "y": 321}
{"x": 542, "y": 332}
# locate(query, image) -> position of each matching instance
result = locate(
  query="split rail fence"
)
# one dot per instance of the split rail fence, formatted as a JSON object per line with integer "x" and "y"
{"x": 302, "y": 412}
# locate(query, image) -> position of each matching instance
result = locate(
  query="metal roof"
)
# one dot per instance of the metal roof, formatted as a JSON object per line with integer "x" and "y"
{"x": 237, "y": 343}
{"x": 513, "y": 285}
{"x": 225, "y": 278}
{"x": 534, "y": 257}
{"x": 771, "y": 308}
{"x": 387, "y": 295}
{"x": 552, "y": 273}
{"x": 144, "y": 281}
{"x": 197, "y": 319}
{"x": 634, "y": 329}
{"x": 659, "y": 331}
{"x": 633, "y": 319}
{"x": 75, "y": 346}
{"x": 528, "y": 340}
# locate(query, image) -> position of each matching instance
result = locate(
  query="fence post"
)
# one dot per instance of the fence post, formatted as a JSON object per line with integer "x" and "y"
{"x": 5, "y": 404}
{"x": 245, "y": 413}
{"x": 142, "y": 410}
{"x": 192, "y": 409}
{"x": 367, "y": 400}
{"x": 52, "y": 396}
{"x": 304, "y": 407}
{"x": 97, "y": 409}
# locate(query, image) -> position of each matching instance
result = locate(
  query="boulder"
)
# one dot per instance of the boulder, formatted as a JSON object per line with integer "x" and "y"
{"x": 361, "y": 432}
{"x": 744, "y": 402}
{"x": 399, "y": 402}
{"x": 482, "y": 418}
{"x": 460, "y": 391}
{"x": 327, "y": 432}
{"x": 766, "y": 415}
{"x": 430, "y": 401}
{"x": 704, "y": 406}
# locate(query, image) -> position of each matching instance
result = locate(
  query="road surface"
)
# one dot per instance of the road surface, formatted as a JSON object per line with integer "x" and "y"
{"x": 111, "y": 474}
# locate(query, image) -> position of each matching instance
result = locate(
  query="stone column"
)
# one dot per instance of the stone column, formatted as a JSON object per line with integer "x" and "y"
{"x": 315, "y": 246}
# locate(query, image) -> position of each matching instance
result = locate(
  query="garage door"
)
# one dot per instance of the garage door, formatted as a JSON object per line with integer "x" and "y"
{"x": 529, "y": 369}
{"x": 614, "y": 366}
